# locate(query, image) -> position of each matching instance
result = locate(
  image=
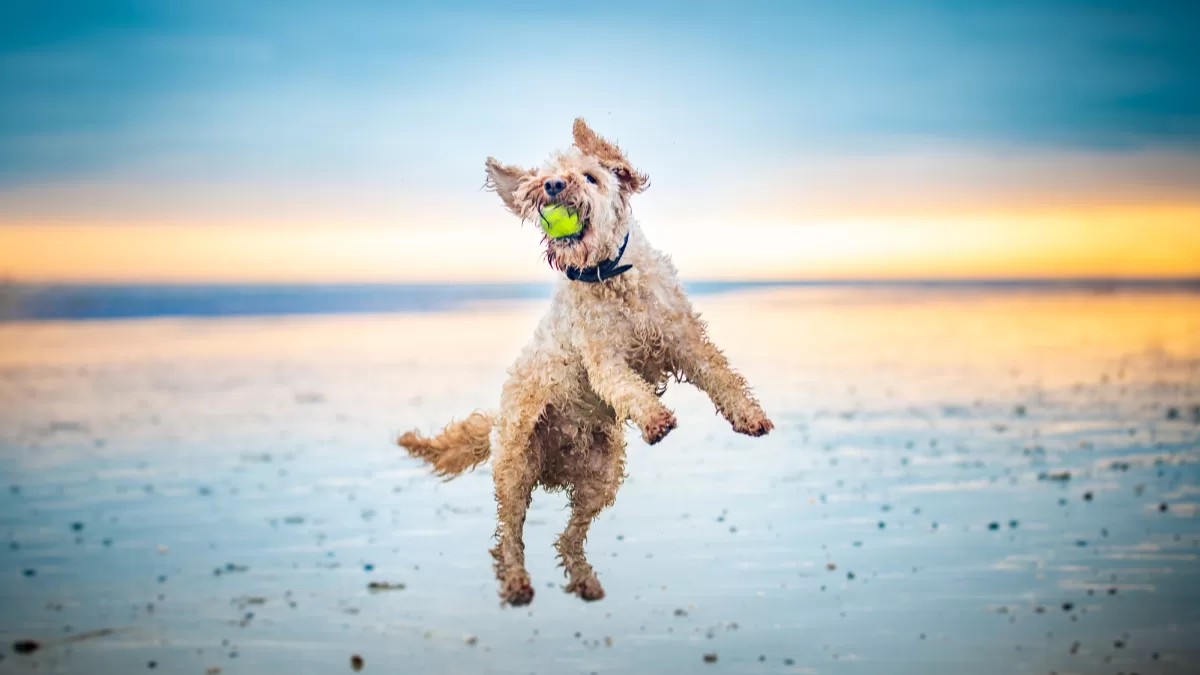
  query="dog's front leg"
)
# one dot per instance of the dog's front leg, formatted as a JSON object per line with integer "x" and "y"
{"x": 627, "y": 392}
{"x": 703, "y": 364}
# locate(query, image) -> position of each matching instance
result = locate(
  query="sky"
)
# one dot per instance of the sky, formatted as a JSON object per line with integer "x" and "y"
{"x": 218, "y": 140}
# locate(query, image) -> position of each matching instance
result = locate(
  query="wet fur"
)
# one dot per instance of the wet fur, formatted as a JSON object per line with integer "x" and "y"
{"x": 601, "y": 357}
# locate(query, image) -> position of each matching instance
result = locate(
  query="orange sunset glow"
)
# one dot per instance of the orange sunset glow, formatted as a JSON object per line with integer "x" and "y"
{"x": 1091, "y": 242}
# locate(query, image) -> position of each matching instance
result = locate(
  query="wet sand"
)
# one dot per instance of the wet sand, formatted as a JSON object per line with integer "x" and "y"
{"x": 961, "y": 482}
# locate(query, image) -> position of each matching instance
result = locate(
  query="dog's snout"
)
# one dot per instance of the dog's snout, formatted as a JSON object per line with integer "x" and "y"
{"x": 554, "y": 186}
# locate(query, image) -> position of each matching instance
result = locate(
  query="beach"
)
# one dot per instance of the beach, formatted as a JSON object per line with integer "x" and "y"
{"x": 961, "y": 480}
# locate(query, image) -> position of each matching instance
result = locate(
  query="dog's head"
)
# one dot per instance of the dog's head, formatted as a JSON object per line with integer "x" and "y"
{"x": 593, "y": 179}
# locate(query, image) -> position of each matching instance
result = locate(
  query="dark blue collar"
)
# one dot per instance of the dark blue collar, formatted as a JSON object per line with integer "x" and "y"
{"x": 605, "y": 270}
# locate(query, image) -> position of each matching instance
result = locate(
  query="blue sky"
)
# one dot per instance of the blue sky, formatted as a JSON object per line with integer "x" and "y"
{"x": 217, "y": 110}
{"x": 296, "y": 86}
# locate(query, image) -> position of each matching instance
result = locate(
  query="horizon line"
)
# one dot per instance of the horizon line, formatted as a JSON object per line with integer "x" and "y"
{"x": 129, "y": 301}
{"x": 1098, "y": 280}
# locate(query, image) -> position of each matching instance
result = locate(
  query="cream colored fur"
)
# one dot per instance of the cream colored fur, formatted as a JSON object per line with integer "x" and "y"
{"x": 600, "y": 358}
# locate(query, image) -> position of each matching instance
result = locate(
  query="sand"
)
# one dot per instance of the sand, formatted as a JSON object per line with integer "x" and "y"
{"x": 961, "y": 481}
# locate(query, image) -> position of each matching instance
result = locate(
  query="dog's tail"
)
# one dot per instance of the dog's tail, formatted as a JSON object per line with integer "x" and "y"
{"x": 462, "y": 445}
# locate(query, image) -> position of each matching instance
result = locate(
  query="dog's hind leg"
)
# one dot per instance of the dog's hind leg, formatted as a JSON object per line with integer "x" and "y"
{"x": 517, "y": 464}
{"x": 595, "y": 477}
{"x": 515, "y": 475}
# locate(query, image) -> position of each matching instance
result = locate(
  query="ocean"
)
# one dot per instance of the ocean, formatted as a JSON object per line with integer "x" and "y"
{"x": 124, "y": 301}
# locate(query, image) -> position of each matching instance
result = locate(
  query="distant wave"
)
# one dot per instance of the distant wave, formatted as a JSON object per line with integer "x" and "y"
{"x": 124, "y": 301}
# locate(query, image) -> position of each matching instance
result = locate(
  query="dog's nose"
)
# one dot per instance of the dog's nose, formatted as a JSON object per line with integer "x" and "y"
{"x": 555, "y": 186}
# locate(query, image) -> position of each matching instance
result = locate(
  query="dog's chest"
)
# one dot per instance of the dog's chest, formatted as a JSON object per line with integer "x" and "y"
{"x": 644, "y": 337}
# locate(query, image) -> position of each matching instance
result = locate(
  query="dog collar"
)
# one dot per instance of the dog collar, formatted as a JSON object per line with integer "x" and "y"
{"x": 605, "y": 270}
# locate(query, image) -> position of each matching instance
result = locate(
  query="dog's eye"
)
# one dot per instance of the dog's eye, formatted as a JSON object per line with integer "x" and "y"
{"x": 590, "y": 178}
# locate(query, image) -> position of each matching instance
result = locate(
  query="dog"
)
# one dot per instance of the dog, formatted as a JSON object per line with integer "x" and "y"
{"x": 620, "y": 327}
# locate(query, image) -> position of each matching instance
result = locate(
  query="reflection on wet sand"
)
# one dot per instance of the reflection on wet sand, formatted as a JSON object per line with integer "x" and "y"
{"x": 962, "y": 481}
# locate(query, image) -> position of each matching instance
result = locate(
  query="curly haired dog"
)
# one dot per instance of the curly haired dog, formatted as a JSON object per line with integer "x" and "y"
{"x": 619, "y": 327}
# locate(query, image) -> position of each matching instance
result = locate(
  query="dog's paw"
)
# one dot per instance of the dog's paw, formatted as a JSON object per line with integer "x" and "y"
{"x": 517, "y": 590}
{"x": 755, "y": 424}
{"x": 658, "y": 427}
{"x": 588, "y": 588}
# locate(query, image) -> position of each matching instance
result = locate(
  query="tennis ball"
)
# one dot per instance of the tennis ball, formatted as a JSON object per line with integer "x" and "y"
{"x": 559, "y": 221}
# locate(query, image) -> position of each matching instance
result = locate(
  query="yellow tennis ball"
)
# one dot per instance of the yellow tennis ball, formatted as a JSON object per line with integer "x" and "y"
{"x": 559, "y": 221}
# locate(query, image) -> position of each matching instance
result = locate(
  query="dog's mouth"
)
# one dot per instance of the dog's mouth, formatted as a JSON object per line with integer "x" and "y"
{"x": 567, "y": 240}
{"x": 571, "y": 239}
{"x": 568, "y": 250}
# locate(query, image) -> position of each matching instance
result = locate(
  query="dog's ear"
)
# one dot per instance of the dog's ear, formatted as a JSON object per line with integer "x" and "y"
{"x": 504, "y": 179}
{"x": 589, "y": 143}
